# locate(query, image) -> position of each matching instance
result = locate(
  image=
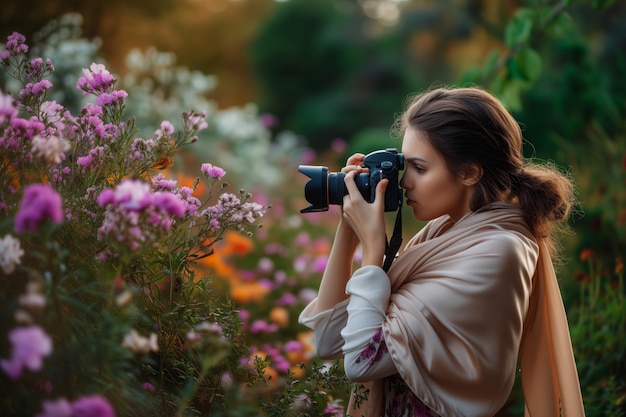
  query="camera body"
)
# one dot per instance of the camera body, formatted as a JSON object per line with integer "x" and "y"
{"x": 325, "y": 188}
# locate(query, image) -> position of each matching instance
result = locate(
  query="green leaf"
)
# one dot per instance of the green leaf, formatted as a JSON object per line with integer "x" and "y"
{"x": 529, "y": 64}
{"x": 518, "y": 30}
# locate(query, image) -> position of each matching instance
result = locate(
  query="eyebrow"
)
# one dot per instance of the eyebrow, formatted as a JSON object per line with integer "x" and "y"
{"x": 416, "y": 159}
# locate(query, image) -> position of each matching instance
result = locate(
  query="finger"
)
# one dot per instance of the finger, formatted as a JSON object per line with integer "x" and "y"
{"x": 381, "y": 187}
{"x": 354, "y": 163}
{"x": 356, "y": 159}
{"x": 353, "y": 191}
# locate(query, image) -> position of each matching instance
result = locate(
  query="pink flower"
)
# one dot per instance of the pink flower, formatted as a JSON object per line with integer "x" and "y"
{"x": 166, "y": 129}
{"x": 96, "y": 80}
{"x": 108, "y": 99}
{"x": 16, "y": 44}
{"x": 92, "y": 406}
{"x": 268, "y": 120}
{"x": 8, "y": 108}
{"x": 58, "y": 408}
{"x": 338, "y": 145}
{"x": 40, "y": 202}
{"x": 29, "y": 346}
{"x": 212, "y": 171}
{"x": 170, "y": 203}
{"x": 133, "y": 195}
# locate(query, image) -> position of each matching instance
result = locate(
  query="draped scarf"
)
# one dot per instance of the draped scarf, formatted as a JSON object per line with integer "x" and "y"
{"x": 468, "y": 300}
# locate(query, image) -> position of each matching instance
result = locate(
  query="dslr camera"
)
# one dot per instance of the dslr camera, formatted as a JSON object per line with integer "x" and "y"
{"x": 325, "y": 188}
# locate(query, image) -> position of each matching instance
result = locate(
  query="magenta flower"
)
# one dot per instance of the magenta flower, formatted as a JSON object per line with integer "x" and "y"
{"x": 35, "y": 89}
{"x": 92, "y": 406}
{"x": 170, "y": 203}
{"x": 16, "y": 44}
{"x": 29, "y": 346}
{"x": 212, "y": 171}
{"x": 40, "y": 202}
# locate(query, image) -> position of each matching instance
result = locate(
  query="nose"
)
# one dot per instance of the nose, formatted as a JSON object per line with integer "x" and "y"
{"x": 402, "y": 182}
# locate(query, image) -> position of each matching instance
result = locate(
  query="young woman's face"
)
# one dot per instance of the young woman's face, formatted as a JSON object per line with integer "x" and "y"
{"x": 430, "y": 189}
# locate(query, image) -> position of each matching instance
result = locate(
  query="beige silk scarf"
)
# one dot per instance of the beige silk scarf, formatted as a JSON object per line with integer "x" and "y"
{"x": 467, "y": 300}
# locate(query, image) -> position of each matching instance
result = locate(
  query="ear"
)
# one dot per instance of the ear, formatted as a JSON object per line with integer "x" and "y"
{"x": 471, "y": 174}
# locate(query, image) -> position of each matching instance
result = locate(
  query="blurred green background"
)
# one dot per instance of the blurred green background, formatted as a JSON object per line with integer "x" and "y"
{"x": 341, "y": 69}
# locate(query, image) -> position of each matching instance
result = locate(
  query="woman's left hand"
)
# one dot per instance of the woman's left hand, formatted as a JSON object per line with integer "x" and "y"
{"x": 366, "y": 219}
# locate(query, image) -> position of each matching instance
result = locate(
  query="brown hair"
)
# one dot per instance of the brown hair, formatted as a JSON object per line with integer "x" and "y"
{"x": 469, "y": 125}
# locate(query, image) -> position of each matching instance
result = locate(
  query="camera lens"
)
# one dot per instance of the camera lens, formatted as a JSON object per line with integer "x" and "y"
{"x": 336, "y": 188}
{"x": 316, "y": 190}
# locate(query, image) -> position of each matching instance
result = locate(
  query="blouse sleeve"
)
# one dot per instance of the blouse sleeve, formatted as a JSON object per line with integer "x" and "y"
{"x": 327, "y": 327}
{"x": 365, "y": 352}
{"x": 352, "y": 329}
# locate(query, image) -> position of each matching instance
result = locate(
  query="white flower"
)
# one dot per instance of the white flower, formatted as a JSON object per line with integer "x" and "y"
{"x": 10, "y": 254}
{"x": 139, "y": 344}
{"x": 49, "y": 149}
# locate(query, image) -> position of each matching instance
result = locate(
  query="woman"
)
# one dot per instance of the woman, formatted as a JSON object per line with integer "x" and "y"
{"x": 441, "y": 333}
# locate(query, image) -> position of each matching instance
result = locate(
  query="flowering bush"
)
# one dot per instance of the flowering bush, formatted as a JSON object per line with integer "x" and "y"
{"x": 104, "y": 264}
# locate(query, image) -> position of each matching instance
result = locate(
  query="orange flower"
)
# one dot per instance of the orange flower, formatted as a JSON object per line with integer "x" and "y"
{"x": 587, "y": 254}
{"x": 297, "y": 371}
{"x": 237, "y": 243}
{"x": 271, "y": 375}
{"x": 280, "y": 316}
{"x": 244, "y": 292}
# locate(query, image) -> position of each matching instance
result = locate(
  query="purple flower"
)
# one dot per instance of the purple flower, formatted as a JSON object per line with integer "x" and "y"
{"x": 96, "y": 80}
{"x": 16, "y": 44}
{"x": 29, "y": 346}
{"x": 58, "y": 408}
{"x": 286, "y": 300}
{"x": 92, "y": 406}
{"x": 107, "y": 99}
{"x": 133, "y": 195}
{"x": 39, "y": 203}
{"x": 293, "y": 346}
{"x": 212, "y": 171}
{"x": 35, "y": 89}
{"x": 268, "y": 120}
{"x": 166, "y": 129}
{"x": 169, "y": 203}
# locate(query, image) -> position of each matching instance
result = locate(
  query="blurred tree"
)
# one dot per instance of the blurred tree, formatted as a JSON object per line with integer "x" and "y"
{"x": 27, "y": 17}
{"x": 207, "y": 35}
{"x": 326, "y": 69}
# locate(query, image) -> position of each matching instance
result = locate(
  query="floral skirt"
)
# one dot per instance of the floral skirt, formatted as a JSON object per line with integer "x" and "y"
{"x": 401, "y": 402}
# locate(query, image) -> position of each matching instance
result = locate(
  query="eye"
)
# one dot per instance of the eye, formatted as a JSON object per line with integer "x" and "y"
{"x": 419, "y": 169}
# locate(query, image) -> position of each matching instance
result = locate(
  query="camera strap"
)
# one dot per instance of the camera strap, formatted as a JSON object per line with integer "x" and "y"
{"x": 394, "y": 243}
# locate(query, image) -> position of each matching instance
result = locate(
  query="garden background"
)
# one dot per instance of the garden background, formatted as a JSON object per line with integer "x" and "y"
{"x": 193, "y": 310}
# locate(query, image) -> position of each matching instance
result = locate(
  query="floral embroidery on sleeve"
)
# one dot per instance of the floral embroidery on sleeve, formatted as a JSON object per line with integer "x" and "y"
{"x": 375, "y": 349}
